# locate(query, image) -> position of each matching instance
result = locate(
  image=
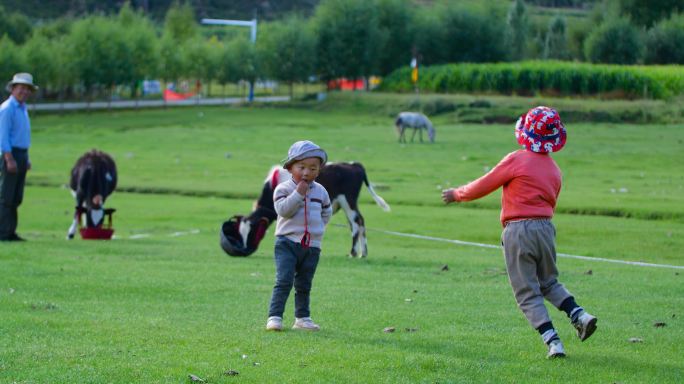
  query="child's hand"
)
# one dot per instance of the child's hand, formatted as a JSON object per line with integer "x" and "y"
{"x": 448, "y": 195}
{"x": 302, "y": 187}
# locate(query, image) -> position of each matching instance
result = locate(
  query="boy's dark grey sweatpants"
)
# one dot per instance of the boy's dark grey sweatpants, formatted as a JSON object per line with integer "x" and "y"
{"x": 530, "y": 252}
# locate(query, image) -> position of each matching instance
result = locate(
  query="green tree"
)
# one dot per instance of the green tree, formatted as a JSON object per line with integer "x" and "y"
{"x": 173, "y": 63}
{"x": 472, "y": 34}
{"x": 11, "y": 60}
{"x": 55, "y": 29}
{"x": 577, "y": 32}
{"x": 142, "y": 48}
{"x": 395, "y": 19}
{"x": 349, "y": 38}
{"x": 518, "y": 30}
{"x": 238, "y": 61}
{"x": 287, "y": 51}
{"x": 649, "y": 12}
{"x": 44, "y": 62}
{"x": 244, "y": 59}
{"x": 99, "y": 50}
{"x": 615, "y": 42}
{"x": 180, "y": 22}
{"x": 556, "y": 43}
{"x": 665, "y": 42}
{"x": 428, "y": 37}
{"x": 227, "y": 71}
{"x": 16, "y": 25}
{"x": 458, "y": 33}
{"x": 202, "y": 60}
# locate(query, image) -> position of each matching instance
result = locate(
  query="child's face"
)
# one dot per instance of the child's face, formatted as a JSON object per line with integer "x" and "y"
{"x": 306, "y": 169}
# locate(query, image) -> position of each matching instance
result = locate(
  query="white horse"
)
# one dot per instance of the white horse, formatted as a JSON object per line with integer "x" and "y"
{"x": 418, "y": 122}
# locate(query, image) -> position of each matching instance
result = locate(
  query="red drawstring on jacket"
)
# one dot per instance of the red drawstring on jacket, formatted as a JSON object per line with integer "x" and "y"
{"x": 306, "y": 239}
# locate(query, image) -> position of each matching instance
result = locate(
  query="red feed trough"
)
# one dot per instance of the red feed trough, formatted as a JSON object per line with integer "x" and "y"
{"x": 96, "y": 233}
{"x": 102, "y": 232}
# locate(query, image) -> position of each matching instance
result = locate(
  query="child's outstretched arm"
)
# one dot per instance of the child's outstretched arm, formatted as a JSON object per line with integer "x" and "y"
{"x": 490, "y": 182}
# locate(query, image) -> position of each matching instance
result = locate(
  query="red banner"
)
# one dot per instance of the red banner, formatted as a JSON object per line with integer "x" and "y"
{"x": 170, "y": 95}
{"x": 347, "y": 84}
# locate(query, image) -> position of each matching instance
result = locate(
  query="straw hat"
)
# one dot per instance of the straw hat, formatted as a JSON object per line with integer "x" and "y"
{"x": 21, "y": 78}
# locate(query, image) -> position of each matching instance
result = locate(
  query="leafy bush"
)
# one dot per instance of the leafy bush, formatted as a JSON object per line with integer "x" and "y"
{"x": 614, "y": 42}
{"x": 554, "y": 78}
{"x": 664, "y": 42}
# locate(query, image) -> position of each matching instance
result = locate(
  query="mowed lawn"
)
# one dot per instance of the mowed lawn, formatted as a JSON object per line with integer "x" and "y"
{"x": 162, "y": 301}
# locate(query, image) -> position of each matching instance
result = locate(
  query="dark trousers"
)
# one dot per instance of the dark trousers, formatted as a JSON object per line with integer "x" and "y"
{"x": 295, "y": 265}
{"x": 12, "y": 192}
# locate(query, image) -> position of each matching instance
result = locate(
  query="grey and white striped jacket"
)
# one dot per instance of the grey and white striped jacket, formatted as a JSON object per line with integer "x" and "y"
{"x": 289, "y": 205}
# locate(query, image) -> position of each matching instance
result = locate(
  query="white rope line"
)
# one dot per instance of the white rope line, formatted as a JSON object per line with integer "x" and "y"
{"x": 569, "y": 256}
{"x": 190, "y": 232}
{"x": 174, "y": 234}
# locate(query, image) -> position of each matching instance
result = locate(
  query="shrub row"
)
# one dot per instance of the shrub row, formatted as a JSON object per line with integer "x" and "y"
{"x": 552, "y": 78}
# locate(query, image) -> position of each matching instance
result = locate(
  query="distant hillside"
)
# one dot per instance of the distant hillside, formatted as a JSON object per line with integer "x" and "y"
{"x": 156, "y": 9}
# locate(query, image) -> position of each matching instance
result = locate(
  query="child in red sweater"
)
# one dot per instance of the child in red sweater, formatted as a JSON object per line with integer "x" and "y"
{"x": 531, "y": 183}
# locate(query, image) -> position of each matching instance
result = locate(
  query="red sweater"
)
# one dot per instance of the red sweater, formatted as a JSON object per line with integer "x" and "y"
{"x": 531, "y": 183}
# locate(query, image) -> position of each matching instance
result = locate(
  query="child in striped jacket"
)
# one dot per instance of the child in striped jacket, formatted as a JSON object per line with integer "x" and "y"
{"x": 303, "y": 208}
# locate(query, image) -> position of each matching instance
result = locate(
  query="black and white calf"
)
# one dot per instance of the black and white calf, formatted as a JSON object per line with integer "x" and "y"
{"x": 93, "y": 179}
{"x": 418, "y": 122}
{"x": 343, "y": 182}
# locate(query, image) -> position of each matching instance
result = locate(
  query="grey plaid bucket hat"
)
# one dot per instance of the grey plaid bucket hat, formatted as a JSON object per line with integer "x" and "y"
{"x": 303, "y": 149}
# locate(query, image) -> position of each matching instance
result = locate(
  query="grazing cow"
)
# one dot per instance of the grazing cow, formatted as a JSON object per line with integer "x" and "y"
{"x": 342, "y": 181}
{"x": 418, "y": 122}
{"x": 93, "y": 179}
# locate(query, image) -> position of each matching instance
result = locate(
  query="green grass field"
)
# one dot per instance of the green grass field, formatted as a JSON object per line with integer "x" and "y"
{"x": 162, "y": 301}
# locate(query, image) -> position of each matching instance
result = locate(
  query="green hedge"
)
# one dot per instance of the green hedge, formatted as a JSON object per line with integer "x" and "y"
{"x": 554, "y": 78}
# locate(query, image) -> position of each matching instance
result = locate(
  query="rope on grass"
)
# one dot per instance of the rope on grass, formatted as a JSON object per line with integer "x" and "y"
{"x": 569, "y": 256}
{"x": 174, "y": 234}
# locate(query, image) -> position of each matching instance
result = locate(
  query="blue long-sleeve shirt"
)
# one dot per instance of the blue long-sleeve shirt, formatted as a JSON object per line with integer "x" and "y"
{"x": 15, "y": 127}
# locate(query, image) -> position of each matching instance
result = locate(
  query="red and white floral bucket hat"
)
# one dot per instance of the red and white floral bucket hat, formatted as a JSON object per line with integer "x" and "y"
{"x": 541, "y": 130}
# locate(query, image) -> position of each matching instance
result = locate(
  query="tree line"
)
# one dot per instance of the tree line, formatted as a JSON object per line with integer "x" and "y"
{"x": 156, "y": 9}
{"x": 343, "y": 38}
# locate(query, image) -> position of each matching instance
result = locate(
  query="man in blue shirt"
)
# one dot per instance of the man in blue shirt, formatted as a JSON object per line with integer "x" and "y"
{"x": 15, "y": 140}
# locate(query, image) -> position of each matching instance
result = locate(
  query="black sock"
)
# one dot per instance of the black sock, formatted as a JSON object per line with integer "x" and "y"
{"x": 568, "y": 306}
{"x": 544, "y": 327}
{"x": 547, "y": 332}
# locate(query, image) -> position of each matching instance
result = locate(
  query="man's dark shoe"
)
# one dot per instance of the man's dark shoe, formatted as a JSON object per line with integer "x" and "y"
{"x": 15, "y": 237}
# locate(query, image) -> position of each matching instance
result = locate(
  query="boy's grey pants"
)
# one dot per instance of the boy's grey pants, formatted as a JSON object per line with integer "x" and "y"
{"x": 530, "y": 252}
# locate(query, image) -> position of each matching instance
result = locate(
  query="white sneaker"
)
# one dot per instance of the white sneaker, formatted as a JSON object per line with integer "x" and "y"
{"x": 585, "y": 325}
{"x": 274, "y": 323}
{"x": 305, "y": 323}
{"x": 555, "y": 350}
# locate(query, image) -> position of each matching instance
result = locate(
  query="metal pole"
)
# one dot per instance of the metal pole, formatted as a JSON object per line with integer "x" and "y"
{"x": 239, "y": 23}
